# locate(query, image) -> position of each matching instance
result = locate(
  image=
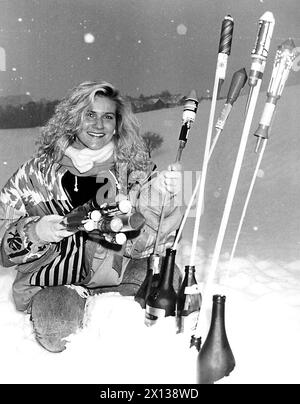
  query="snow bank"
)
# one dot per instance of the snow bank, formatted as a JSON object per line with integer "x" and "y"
{"x": 262, "y": 323}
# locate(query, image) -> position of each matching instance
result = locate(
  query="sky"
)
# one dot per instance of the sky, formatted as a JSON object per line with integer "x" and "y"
{"x": 141, "y": 46}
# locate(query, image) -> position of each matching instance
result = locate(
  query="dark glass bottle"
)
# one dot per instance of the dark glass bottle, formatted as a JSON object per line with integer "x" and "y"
{"x": 150, "y": 281}
{"x": 215, "y": 359}
{"x": 188, "y": 302}
{"x": 161, "y": 301}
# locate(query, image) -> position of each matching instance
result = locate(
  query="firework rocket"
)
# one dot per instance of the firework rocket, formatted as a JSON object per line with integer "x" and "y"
{"x": 224, "y": 48}
{"x": 260, "y": 51}
{"x": 238, "y": 81}
{"x": 284, "y": 58}
{"x": 188, "y": 117}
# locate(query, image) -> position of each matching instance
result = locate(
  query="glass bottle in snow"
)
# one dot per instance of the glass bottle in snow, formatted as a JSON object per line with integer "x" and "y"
{"x": 215, "y": 359}
{"x": 150, "y": 281}
{"x": 188, "y": 303}
{"x": 161, "y": 301}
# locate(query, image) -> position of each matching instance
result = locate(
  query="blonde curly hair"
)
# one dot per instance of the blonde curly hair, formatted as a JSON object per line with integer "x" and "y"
{"x": 62, "y": 128}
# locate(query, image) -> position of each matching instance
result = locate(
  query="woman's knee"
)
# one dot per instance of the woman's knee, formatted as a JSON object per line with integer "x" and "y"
{"x": 23, "y": 293}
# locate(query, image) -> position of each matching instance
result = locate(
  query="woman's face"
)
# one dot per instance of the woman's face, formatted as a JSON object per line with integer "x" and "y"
{"x": 98, "y": 125}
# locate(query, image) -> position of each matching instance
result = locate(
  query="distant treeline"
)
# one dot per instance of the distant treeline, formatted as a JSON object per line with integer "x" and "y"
{"x": 28, "y": 115}
{"x": 33, "y": 114}
{"x": 36, "y": 113}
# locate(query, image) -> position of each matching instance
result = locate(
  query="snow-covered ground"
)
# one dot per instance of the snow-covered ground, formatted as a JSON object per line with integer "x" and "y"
{"x": 261, "y": 284}
{"x": 262, "y": 323}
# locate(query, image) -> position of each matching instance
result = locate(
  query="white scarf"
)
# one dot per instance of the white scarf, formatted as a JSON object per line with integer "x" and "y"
{"x": 84, "y": 159}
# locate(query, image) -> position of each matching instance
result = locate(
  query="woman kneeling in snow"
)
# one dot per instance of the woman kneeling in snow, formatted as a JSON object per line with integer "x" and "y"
{"x": 90, "y": 146}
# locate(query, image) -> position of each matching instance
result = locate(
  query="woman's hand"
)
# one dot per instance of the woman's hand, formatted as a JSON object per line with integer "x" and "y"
{"x": 51, "y": 229}
{"x": 170, "y": 181}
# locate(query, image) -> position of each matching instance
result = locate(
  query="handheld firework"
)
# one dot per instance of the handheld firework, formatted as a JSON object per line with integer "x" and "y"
{"x": 111, "y": 219}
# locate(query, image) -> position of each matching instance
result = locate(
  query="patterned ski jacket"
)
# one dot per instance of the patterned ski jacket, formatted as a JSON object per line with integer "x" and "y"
{"x": 36, "y": 190}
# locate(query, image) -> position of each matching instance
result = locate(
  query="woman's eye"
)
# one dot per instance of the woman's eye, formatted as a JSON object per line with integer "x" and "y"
{"x": 90, "y": 114}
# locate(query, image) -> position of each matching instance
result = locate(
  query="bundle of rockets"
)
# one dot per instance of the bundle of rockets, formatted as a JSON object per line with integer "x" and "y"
{"x": 106, "y": 220}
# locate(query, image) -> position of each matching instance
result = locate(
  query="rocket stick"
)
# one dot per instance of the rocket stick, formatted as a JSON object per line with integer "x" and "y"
{"x": 238, "y": 81}
{"x": 206, "y": 296}
{"x": 284, "y": 58}
{"x": 224, "y": 51}
{"x": 188, "y": 117}
{"x": 247, "y": 200}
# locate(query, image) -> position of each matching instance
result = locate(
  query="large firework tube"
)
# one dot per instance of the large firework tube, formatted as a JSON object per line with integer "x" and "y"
{"x": 95, "y": 211}
{"x": 122, "y": 206}
{"x": 260, "y": 51}
{"x": 131, "y": 222}
{"x": 284, "y": 58}
{"x": 105, "y": 223}
{"x": 111, "y": 237}
{"x": 93, "y": 208}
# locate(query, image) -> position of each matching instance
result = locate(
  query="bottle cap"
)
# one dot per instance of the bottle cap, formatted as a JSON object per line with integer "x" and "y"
{"x": 219, "y": 298}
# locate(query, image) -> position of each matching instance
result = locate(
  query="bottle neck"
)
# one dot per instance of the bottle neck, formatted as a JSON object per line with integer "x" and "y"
{"x": 153, "y": 263}
{"x": 167, "y": 271}
{"x": 189, "y": 278}
{"x": 218, "y": 313}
